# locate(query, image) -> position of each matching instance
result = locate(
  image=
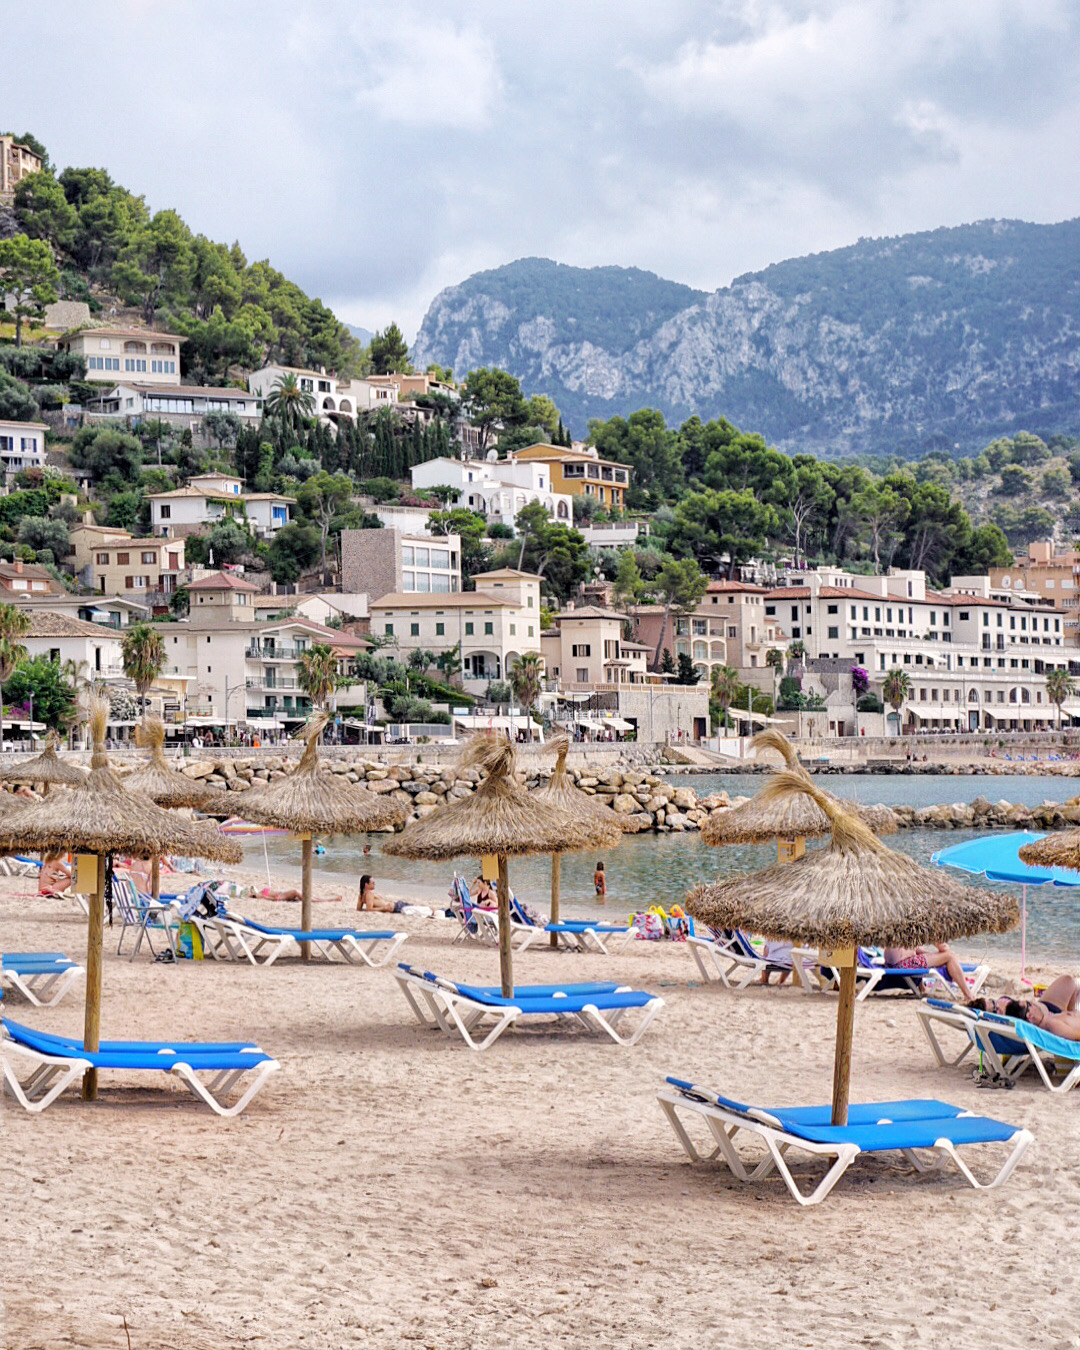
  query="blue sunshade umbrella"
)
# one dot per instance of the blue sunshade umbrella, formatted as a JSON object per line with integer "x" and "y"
{"x": 997, "y": 857}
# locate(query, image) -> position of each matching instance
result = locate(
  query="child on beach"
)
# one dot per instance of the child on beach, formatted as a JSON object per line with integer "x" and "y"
{"x": 600, "y": 880}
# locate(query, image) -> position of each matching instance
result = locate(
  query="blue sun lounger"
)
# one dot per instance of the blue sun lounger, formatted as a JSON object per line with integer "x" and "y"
{"x": 229, "y": 938}
{"x": 1011, "y": 1047}
{"x": 907, "y": 1127}
{"x": 580, "y": 935}
{"x": 43, "y": 978}
{"x": 55, "y": 1062}
{"x": 463, "y": 1008}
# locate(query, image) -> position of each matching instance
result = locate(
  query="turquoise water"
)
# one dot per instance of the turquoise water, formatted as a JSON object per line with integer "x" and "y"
{"x": 648, "y": 869}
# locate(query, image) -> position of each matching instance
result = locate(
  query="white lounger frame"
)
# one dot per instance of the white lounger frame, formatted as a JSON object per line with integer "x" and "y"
{"x": 232, "y": 940}
{"x": 443, "y": 1006}
{"x": 523, "y": 935}
{"x": 1027, "y": 1055}
{"x": 811, "y": 977}
{"x": 930, "y": 1019}
{"x": 43, "y": 988}
{"x": 50, "y": 1075}
{"x": 723, "y": 964}
{"x": 724, "y": 1125}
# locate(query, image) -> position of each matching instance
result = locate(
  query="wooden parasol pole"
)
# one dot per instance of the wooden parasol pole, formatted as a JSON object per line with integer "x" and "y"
{"x": 155, "y": 878}
{"x": 556, "y": 883}
{"x": 845, "y": 1027}
{"x": 506, "y": 960}
{"x": 95, "y": 936}
{"x": 305, "y": 895}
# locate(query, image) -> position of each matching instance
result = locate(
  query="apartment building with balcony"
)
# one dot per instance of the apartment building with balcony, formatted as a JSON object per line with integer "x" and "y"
{"x": 180, "y": 405}
{"x": 497, "y": 489}
{"x": 144, "y": 356}
{"x": 579, "y": 472}
{"x": 586, "y": 646}
{"x": 94, "y": 650}
{"x": 332, "y": 398}
{"x": 16, "y": 162}
{"x": 975, "y": 662}
{"x": 1051, "y": 574}
{"x": 112, "y": 562}
{"x": 730, "y": 626}
{"x": 494, "y": 625}
{"x": 22, "y": 446}
{"x": 209, "y": 498}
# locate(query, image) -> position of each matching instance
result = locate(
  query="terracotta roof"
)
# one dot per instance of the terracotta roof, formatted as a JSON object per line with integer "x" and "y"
{"x": 149, "y": 334}
{"x": 49, "y": 625}
{"x": 221, "y": 581}
{"x": 441, "y": 600}
{"x": 724, "y": 584}
{"x": 787, "y": 592}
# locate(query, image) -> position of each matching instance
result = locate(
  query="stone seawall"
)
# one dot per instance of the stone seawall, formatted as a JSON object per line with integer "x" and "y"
{"x": 645, "y": 799}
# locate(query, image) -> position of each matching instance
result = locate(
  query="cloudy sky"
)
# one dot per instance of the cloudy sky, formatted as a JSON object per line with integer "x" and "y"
{"x": 378, "y": 152}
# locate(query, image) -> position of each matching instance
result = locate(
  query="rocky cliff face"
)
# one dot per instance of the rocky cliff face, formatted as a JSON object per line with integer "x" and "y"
{"x": 925, "y": 341}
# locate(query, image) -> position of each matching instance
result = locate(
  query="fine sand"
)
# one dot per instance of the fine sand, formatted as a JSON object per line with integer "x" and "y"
{"x": 391, "y": 1188}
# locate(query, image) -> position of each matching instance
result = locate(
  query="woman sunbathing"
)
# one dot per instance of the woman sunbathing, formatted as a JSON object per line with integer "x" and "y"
{"x": 55, "y": 876}
{"x": 367, "y": 899}
{"x": 929, "y": 958}
{"x": 268, "y": 894}
{"x": 1060, "y": 997}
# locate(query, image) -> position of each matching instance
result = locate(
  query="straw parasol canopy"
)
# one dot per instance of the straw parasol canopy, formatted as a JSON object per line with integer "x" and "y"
{"x": 1054, "y": 850}
{"x": 47, "y": 768}
{"x": 498, "y": 818}
{"x": 99, "y": 816}
{"x": 855, "y": 892}
{"x": 561, "y": 791}
{"x": 792, "y": 817}
{"x": 309, "y": 801}
{"x": 155, "y": 779}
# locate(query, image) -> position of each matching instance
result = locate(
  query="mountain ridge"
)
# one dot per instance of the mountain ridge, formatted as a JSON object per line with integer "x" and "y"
{"x": 901, "y": 344}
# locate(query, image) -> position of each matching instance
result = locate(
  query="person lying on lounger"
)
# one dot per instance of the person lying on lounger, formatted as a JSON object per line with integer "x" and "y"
{"x": 778, "y": 955}
{"x": 54, "y": 877}
{"x": 1060, "y": 996}
{"x": 929, "y": 958}
{"x": 268, "y": 894}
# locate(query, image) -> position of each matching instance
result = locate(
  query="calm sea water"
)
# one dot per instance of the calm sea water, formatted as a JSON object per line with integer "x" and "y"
{"x": 648, "y": 869}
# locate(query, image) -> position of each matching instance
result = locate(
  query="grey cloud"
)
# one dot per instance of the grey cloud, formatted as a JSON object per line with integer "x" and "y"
{"x": 372, "y": 153}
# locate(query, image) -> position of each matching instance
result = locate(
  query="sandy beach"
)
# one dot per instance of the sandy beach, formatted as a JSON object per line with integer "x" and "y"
{"x": 391, "y": 1188}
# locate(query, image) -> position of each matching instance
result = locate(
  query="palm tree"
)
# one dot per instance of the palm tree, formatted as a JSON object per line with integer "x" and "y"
{"x": 774, "y": 659}
{"x": 895, "y": 688}
{"x": 526, "y": 679}
{"x": 14, "y": 622}
{"x": 143, "y": 655}
{"x": 288, "y": 402}
{"x": 725, "y": 687}
{"x": 318, "y": 675}
{"x": 1060, "y": 685}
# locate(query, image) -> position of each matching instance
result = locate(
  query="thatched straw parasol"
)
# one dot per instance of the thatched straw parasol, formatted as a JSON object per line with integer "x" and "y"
{"x": 160, "y": 783}
{"x": 560, "y": 791}
{"x": 47, "y": 768}
{"x": 855, "y": 892}
{"x": 308, "y": 802}
{"x": 1054, "y": 850}
{"x": 790, "y": 821}
{"x": 100, "y": 817}
{"x": 499, "y": 818}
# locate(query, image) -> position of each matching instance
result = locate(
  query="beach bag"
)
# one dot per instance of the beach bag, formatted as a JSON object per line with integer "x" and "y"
{"x": 189, "y": 941}
{"x": 647, "y": 925}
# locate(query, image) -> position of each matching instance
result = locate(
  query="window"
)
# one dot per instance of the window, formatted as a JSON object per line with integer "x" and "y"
{"x": 468, "y": 629}
{"x": 388, "y": 629}
{"x": 513, "y": 630}
{"x": 530, "y": 630}
{"x": 581, "y": 649}
{"x": 165, "y": 512}
{"x": 440, "y": 630}
{"x": 414, "y": 630}
{"x": 102, "y": 559}
{"x": 406, "y": 555}
{"x": 131, "y": 363}
{"x": 965, "y": 614}
{"x": 489, "y": 629}
{"x": 408, "y": 581}
{"x": 835, "y": 609}
{"x": 421, "y": 557}
{"x": 440, "y": 557}
{"x": 148, "y": 557}
{"x": 128, "y": 584}
{"x": 583, "y": 674}
{"x": 834, "y": 633}
{"x": 122, "y": 558}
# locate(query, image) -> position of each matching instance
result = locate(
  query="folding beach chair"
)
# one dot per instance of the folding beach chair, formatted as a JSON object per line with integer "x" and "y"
{"x": 210, "y": 1069}
{"x": 464, "y": 1009}
{"x": 481, "y": 925}
{"x": 142, "y": 913}
{"x": 43, "y": 978}
{"x": 907, "y": 1127}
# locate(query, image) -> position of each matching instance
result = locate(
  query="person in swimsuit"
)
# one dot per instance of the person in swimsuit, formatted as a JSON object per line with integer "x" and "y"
{"x": 929, "y": 958}
{"x": 367, "y": 899}
{"x": 600, "y": 880}
{"x": 1061, "y": 996}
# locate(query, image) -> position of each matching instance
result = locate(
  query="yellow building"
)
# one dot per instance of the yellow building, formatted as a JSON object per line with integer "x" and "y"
{"x": 16, "y": 162}
{"x": 581, "y": 472}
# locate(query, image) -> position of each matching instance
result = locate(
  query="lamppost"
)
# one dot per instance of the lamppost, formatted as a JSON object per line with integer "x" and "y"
{"x": 228, "y": 695}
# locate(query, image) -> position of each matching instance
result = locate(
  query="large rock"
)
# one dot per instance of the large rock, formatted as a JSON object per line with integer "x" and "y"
{"x": 426, "y": 799}
{"x": 385, "y": 785}
{"x": 685, "y": 798}
{"x": 624, "y": 804}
